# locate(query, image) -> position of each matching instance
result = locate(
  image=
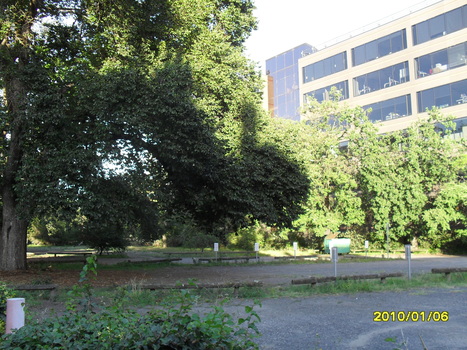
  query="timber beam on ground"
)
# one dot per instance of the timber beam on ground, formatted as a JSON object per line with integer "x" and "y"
{"x": 314, "y": 280}
{"x": 447, "y": 271}
{"x": 225, "y": 258}
{"x": 298, "y": 257}
{"x": 71, "y": 252}
{"x": 35, "y": 287}
{"x": 156, "y": 260}
{"x": 169, "y": 254}
{"x": 58, "y": 259}
{"x": 235, "y": 285}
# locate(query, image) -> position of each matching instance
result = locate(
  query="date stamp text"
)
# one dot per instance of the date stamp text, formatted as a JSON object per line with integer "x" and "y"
{"x": 410, "y": 316}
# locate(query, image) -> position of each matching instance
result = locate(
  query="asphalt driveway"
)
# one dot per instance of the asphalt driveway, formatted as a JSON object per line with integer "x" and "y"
{"x": 348, "y": 321}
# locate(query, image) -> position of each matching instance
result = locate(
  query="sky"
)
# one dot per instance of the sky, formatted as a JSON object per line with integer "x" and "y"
{"x": 285, "y": 24}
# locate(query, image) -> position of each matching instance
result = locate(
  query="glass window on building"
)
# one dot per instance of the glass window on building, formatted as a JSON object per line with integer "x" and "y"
{"x": 442, "y": 96}
{"x": 441, "y": 25}
{"x": 455, "y": 19}
{"x": 459, "y": 92}
{"x": 442, "y": 60}
{"x": 381, "y": 79}
{"x": 323, "y": 94}
{"x": 389, "y": 109}
{"x": 379, "y": 48}
{"x": 325, "y": 67}
{"x": 283, "y": 81}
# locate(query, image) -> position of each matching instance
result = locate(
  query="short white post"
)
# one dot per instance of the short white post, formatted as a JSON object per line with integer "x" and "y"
{"x": 295, "y": 248}
{"x": 216, "y": 248}
{"x": 257, "y": 251}
{"x": 14, "y": 314}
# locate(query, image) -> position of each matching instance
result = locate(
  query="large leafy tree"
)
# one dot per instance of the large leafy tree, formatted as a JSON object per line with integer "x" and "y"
{"x": 367, "y": 181}
{"x": 400, "y": 175}
{"x": 333, "y": 202}
{"x": 159, "y": 92}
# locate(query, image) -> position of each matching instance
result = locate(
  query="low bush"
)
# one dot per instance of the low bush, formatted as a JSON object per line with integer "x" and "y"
{"x": 5, "y": 293}
{"x": 106, "y": 238}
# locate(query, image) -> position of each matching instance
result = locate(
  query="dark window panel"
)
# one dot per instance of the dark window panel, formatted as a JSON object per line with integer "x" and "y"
{"x": 454, "y": 20}
{"x": 443, "y": 96}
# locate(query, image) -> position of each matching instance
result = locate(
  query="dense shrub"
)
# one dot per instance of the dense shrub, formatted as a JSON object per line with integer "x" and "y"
{"x": 182, "y": 231}
{"x": 266, "y": 236}
{"x": 52, "y": 231}
{"x": 105, "y": 237}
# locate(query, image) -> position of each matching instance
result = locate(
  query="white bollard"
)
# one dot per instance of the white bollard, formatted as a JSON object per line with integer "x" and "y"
{"x": 14, "y": 314}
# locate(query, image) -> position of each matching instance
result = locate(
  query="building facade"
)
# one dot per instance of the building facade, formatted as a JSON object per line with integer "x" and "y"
{"x": 398, "y": 69}
{"x": 282, "y": 74}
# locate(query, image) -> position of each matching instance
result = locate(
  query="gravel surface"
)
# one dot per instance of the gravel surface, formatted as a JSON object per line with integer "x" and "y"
{"x": 347, "y": 321}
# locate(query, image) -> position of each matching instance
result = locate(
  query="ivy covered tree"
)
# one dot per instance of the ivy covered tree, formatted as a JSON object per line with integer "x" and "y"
{"x": 155, "y": 92}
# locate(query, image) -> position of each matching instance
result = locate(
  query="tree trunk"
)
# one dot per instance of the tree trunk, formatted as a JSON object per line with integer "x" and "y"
{"x": 14, "y": 229}
{"x": 13, "y": 238}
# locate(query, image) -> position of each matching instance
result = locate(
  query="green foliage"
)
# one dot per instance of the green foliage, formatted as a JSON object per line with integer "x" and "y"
{"x": 5, "y": 293}
{"x": 445, "y": 221}
{"x": 363, "y": 181}
{"x": 174, "y": 326}
{"x": 400, "y": 173}
{"x": 267, "y": 237}
{"x": 105, "y": 237}
{"x": 130, "y": 110}
{"x": 332, "y": 200}
{"x": 52, "y": 231}
{"x": 245, "y": 239}
{"x": 182, "y": 231}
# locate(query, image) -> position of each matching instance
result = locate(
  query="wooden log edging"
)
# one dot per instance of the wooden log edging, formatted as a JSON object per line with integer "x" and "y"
{"x": 33, "y": 287}
{"x": 220, "y": 259}
{"x": 315, "y": 280}
{"x": 447, "y": 271}
{"x": 71, "y": 252}
{"x": 60, "y": 259}
{"x": 155, "y": 260}
{"x": 298, "y": 257}
{"x": 234, "y": 285}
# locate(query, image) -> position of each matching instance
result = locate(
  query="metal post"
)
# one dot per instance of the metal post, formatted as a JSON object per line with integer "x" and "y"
{"x": 387, "y": 239}
{"x": 334, "y": 258}
{"x": 408, "y": 257}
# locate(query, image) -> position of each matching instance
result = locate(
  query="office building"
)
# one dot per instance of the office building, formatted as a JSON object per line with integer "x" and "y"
{"x": 282, "y": 74}
{"x": 399, "y": 69}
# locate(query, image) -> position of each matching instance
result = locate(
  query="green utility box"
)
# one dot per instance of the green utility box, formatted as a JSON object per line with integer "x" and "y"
{"x": 342, "y": 244}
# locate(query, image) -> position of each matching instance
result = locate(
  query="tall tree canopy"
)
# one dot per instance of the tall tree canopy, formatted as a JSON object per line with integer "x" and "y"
{"x": 154, "y": 93}
{"x": 365, "y": 181}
